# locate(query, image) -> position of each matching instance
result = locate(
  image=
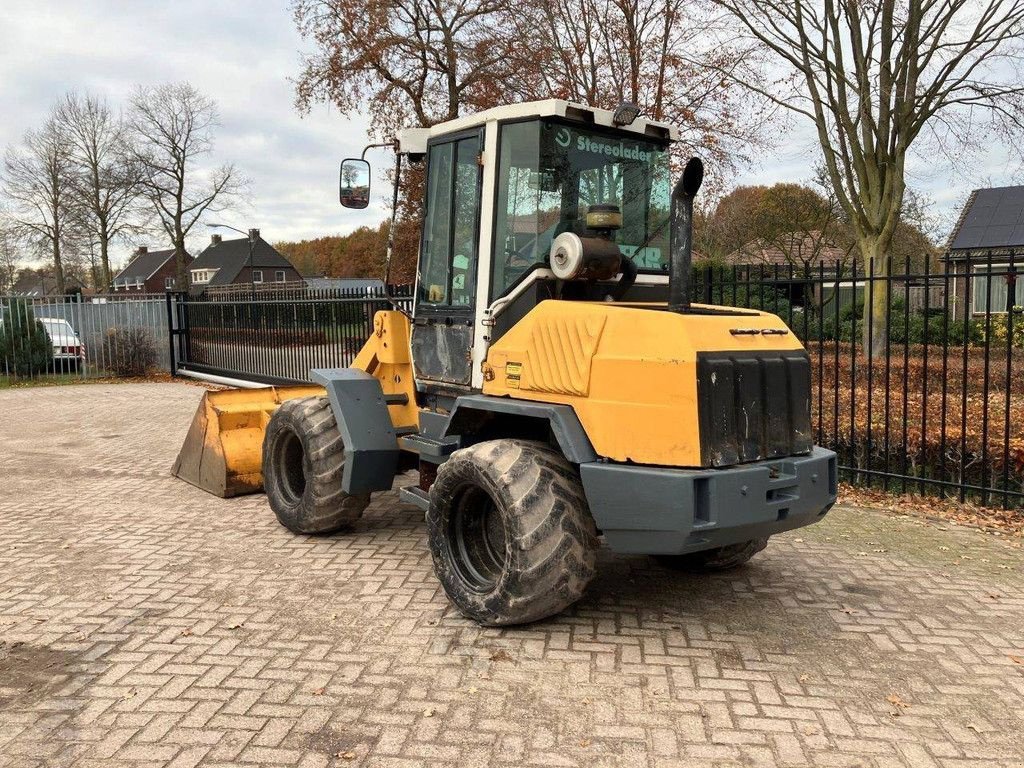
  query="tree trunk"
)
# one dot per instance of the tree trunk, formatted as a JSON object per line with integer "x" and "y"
{"x": 180, "y": 267}
{"x": 105, "y": 275}
{"x": 875, "y": 330}
{"x": 58, "y": 267}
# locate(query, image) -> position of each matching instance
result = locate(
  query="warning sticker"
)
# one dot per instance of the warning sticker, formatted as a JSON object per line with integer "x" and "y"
{"x": 513, "y": 372}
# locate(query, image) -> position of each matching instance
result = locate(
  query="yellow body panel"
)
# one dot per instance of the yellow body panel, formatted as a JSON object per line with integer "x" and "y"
{"x": 628, "y": 370}
{"x": 386, "y": 355}
{"x": 223, "y": 450}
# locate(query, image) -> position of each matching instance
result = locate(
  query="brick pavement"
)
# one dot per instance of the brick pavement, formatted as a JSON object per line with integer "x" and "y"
{"x": 145, "y": 623}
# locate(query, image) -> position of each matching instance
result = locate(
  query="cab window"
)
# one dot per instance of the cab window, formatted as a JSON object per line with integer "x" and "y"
{"x": 449, "y": 251}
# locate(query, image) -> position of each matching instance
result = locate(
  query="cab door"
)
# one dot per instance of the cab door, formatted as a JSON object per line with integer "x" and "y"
{"x": 442, "y": 336}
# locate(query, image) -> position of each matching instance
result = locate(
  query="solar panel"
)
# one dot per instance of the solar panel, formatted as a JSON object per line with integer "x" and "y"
{"x": 995, "y": 220}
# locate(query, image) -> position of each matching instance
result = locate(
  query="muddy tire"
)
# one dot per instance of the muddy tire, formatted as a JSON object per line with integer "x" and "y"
{"x": 303, "y": 459}
{"x": 510, "y": 532}
{"x": 721, "y": 559}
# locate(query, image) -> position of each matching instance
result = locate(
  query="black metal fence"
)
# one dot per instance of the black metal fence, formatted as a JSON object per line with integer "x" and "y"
{"x": 936, "y": 403}
{"x": 274, "y": 337}
{"x": 936, "y": 406}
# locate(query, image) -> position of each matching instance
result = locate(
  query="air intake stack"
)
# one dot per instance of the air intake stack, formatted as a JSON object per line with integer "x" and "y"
{"x": 681, "y": 236}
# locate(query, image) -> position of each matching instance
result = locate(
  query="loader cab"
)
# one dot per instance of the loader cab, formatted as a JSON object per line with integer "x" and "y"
{"x": 499, "y": 187}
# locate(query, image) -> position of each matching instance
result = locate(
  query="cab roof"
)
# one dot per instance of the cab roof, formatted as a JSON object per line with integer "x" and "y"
{"x": 414, "y": 140}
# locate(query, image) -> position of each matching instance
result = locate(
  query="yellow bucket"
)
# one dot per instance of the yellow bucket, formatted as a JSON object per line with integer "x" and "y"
{"x": 223, "y": 451}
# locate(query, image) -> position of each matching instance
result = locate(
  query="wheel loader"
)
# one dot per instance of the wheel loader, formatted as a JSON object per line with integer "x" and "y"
{"x": 553, "y": 384}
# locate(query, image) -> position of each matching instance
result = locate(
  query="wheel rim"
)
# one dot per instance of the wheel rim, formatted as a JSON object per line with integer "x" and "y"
{"x": 291, "y": 467}
{"x": 478, "y": 539}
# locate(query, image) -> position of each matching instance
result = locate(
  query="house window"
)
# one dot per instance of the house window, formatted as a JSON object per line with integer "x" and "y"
{"x": 279, "y": 276}
{"x": 257, "y": 275}
{"x": 200, "y": 276}
{"x": 991, "y": 289}
{"x": 168, "y": 283}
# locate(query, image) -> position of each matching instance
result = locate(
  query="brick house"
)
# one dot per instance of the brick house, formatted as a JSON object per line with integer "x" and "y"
{"x": 148, "y": 272}
{"x": 227, "y": 262}
{"x": 986, "y": 252}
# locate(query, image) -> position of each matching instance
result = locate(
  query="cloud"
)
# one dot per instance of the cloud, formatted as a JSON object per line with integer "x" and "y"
{"x": 243, "y": 56}
{"x": 240, "y": 54}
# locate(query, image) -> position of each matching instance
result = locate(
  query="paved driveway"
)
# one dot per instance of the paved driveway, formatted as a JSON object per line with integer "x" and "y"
{"x": 143, "y": 622}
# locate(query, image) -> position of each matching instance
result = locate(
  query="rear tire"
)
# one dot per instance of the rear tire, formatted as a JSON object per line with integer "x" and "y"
{"x": 710, "y": 560}
{"x": 303, "y": 461}
{"x": 510, "y": 532}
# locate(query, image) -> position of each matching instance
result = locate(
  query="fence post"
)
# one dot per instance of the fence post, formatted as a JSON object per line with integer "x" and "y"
{"x": 170, "y": 333}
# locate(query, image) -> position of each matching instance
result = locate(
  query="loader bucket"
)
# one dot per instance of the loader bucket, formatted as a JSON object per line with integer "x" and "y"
{"x": 223, "y": 451}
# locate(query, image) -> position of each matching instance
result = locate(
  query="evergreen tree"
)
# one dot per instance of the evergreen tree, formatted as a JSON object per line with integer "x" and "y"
{"x": 25, "y": 347}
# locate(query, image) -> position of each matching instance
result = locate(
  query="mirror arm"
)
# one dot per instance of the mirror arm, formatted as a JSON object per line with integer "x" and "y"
{"x": 368, "y": 147}
{"x": 391, "y": 234}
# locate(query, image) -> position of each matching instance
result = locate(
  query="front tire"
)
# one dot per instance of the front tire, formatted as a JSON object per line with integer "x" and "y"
{"x": 711, "y": 560}
{"x": 510, "y": 532}
{"x": 303, "y": 461}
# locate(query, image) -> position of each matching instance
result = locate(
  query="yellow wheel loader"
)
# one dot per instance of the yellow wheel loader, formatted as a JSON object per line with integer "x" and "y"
{"x": 553, "y": 384}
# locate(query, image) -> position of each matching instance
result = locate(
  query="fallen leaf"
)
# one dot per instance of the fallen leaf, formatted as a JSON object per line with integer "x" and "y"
{"x": 320, "y": 691}
{"x": 347, "y": 755}
{"x": 1016, "y": 659}
{"x": 896, "y": 701}
{"x": 186, "y": 632}
{"x": 428, "y": 712}
{"x": 584, "y": 743}
{"x": 500, "y": 655}
{"x": 804, "y": 678}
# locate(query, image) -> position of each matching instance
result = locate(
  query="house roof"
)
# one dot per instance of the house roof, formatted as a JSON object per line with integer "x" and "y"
{"x": 143, "y": 266}
{"x": 36, "y": 284}
{"x": 796, "y": 248}
{"x": 992, "y": 218}
{"x": 229, "y": 257}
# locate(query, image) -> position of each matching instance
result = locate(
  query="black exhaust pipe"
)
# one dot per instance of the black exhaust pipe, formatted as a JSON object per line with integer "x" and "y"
{"x": 681, "y": 236}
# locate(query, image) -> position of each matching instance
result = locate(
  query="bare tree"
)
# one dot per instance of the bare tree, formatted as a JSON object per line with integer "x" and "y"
{"x": 38, "y": 181}
{"x": 9, "y": 257}
{"x": 171, "y": 127}
{"x": 880, "y": 77}
{"x": 665, "y": 56}
{"x": 107, "y": 178}
{"x": 407, "y": 61}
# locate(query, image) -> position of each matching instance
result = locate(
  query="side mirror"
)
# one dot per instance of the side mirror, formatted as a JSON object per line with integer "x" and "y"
{"x": 693, "y": 176}
{"x": 354, "y": 183}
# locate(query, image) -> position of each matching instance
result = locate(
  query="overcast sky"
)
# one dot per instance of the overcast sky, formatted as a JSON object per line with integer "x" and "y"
{"x": 243, "y": 54}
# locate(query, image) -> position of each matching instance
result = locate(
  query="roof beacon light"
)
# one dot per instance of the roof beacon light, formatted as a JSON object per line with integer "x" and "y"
{"x": 625, "y": 113}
